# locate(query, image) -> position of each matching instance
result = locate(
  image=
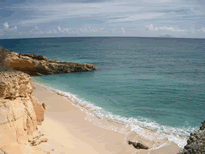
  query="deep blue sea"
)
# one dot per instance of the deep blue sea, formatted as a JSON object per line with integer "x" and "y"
{"x": 156, "y": 83}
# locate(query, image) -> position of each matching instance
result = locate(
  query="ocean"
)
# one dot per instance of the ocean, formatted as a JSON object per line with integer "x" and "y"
{"x": 151, "y": 83}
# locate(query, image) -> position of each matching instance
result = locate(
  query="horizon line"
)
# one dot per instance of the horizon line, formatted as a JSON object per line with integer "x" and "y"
{"x": 103, "y": 37}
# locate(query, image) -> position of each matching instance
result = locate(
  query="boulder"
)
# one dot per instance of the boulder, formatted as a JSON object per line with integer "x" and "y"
{"x": 138, "y": 145}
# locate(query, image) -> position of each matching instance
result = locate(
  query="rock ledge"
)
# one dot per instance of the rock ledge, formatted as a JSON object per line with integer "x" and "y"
{"x": 36, "y": 65}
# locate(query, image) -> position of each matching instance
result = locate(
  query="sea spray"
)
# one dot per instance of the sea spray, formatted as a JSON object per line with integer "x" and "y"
{"x": 144, "y": 127}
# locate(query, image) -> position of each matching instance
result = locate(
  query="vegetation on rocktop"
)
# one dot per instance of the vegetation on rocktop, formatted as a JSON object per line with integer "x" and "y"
{"x": 3, "y": 66}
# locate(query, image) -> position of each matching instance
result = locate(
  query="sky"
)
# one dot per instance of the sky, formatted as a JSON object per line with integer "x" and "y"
{"x": 124, "y": 18}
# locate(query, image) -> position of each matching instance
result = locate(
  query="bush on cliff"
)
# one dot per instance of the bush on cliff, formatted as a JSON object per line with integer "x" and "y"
{"x": 3, "y": 65}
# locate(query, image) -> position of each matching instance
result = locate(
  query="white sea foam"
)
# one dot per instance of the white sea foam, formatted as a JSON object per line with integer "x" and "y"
{"x": 141, "y": 126}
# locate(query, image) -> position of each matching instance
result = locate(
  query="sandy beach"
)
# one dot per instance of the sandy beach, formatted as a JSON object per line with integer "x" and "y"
{"x": 68, "y": 131}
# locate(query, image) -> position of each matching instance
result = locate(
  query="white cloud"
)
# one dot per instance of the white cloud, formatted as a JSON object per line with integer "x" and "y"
{"x": 202, "y": 29}
{"x": 157, "y": 1}
{"x": 123, "y": 30}
{"x": 84, "y": 30}
{"x": 164, "y": 28}
{"x": 14, "y": 28}
{"x": 149, "y": 27}
{"x": 6, "y": 25}
{"x": 11, "y": 32}
{"x": 49, "y": 32}
{"x": 163, "y": 1}
{"x": 107, "y": 11}
{"x": 10, "y": 29}
{"x": 123, "y": 15}
{"x": 66, "y": 30}
{"x": 118, "y": 30}
{"x": 126, "y": 13}
{"x": 59, "y": 29}
{"x": 36, "y": 30}
{"x": 139, "y": 16}
{"x": 63, "y": 30}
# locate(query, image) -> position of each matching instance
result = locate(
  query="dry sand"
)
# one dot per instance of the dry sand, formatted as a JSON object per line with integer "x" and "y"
{"x": 69, "y": 132}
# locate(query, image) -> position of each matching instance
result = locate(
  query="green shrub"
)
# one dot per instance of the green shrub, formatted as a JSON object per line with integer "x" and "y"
{"x": 3, "y": 65}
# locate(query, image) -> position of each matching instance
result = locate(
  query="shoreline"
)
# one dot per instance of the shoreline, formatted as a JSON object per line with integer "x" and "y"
{"x": 78, "y": 130}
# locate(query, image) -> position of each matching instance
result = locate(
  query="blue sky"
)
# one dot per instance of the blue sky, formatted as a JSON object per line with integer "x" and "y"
{"x": 65, "y": 18}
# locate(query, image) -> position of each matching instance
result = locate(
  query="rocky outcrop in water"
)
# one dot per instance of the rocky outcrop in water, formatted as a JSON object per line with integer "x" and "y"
{"x": 34, "y": 65}
{"x": 196, "y": 142}
{"x": 20, "y": 113}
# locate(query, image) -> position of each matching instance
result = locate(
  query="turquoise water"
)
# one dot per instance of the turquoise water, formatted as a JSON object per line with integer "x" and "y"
{"x": 157, "y": 83}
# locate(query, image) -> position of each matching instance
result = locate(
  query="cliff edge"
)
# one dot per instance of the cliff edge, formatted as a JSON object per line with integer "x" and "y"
{"x": 20, "y": 114}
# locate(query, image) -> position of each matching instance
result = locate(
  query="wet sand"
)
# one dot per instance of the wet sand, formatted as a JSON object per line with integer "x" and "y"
{"x": 68, "y": 131}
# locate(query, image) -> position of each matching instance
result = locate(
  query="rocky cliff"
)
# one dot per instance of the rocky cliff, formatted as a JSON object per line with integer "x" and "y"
{"x": 20, "y": 114}
{"x": 20, "y": 111}
{"x": 196, "y": 142}
{"x": 33, "y": 64}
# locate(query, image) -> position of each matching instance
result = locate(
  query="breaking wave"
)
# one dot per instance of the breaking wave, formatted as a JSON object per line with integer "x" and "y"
{"x": 142, "y": 126}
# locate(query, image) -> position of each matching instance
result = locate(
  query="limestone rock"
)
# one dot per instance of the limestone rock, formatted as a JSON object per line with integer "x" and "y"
{"x": 36, "y": 65}
{"x": 38, "y": 108}
{"x": 39, "y": 141}
{"x": 34, "y": 56}
{"x": 36, "y": 140}
{"x": 20, "y": 112}
{"x": 15, "y": 84}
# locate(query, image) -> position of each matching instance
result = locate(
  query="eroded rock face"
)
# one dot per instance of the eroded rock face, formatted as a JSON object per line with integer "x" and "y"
{"x": 15, "y": 84}
{"x": 196, "y": 142}
{"x": 33, "y": 64}
{"x": 20, "y": 112}
{"x": 38, "y": 108}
